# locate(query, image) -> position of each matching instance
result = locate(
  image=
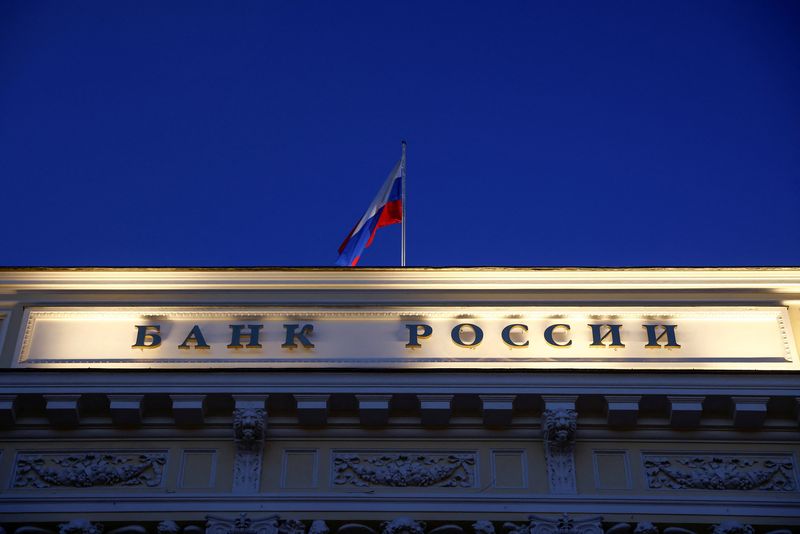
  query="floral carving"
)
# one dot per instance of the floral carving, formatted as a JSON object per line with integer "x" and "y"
{"x": 720, "y": 473}
{"x": 80, "y": 526}
{"x": 318, "y": 526}
{"x": 645, "y": 527}
{"x": 562, "y": 525}
{"x": 168, "y": 527}
{"x": 732, "y": 527}
{"x": 83, "y": 470}
{"x": 403, "y": 525}
{"x": 404, "y": 469}
{"x": 242, "y": 525}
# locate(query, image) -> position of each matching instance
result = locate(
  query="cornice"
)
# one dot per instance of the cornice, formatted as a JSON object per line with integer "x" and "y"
{"x": 780, "y": 280}
{"x": 19, "y": 382}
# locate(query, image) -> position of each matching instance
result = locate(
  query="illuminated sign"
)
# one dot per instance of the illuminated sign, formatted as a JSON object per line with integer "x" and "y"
{"x": 475, "y": 337}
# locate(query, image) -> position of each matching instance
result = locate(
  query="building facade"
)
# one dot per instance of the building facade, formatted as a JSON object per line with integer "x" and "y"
{"x": 417, "y": 401}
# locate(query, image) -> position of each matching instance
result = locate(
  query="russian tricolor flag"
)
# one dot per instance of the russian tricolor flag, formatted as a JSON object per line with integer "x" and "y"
{"x": 385, "y": 209}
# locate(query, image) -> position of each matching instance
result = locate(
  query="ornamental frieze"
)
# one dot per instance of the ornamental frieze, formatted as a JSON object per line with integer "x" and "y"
{"x": 243, "y": 524}
{"x": 89, "y": 469}
{"x": 720, "y": 472}
{"x": 404, "y": 469}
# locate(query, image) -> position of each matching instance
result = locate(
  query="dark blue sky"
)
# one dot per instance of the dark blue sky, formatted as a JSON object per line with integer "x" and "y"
{"x": 540, "y": 133}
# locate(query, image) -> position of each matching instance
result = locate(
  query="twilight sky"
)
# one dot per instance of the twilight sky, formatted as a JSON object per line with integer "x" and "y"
{"x": 539, "y": 133}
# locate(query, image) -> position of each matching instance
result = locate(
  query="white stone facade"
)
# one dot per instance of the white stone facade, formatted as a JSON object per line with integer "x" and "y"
{"x": 411, "y": 448}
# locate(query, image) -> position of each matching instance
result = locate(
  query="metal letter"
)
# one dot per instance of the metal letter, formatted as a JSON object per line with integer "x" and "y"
{"x": 456, "y": 335}
{"x": 414, "y": 333}
{"x": 613, "y": 329}
{"x": 653, "y": 340}
{"x": 142, "y": 335}
{"x": 291, "y": 335}
{"x": 548, "y": 335}
{"x": 252, "y": 336}
{"x": 195, "y": 336}
{"x": 507, "y": 335}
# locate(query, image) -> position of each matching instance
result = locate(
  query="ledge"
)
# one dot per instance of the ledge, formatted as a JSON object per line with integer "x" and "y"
{"x": 781, "y": 279}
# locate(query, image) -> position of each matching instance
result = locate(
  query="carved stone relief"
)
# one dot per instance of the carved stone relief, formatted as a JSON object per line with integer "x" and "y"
{"x": 404, "y": 469}
{"x": 563, "y": 525}
{"x": 87, "y": 469}
{"x": 403, "y": 525}
{"x": 318, "y": 526}
{"x": 732, "y": 527}
{"x": 80, "y": 526}
{"x": 242, "y": 525}
{"x": 558, "y": 429}
{"x": 248, "y": 432}
{"x": 483, "y": 527}
{"x": 167, "y": 527}
{"x": 720, "y": 472}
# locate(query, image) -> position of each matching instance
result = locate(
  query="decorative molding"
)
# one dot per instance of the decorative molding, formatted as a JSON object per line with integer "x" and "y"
{"x": 245, "y": 525}
{"x": 404, "y": 469}
{"x": 403, "y": 525}
{"x": 249, "y": 426}
{"x": 720, "y": 472}
{"x": 732, "y": 527}
{"x": 786, "y": 279}
{"x": 89, "y": 469}
{"x": 563, "y": 525}
{"x": 80, "y": 526}
{"x": 168, "y": 527}
{"x": 242, "y": 525}
{"x": 644, "y": 527}
{"x": 483, "y": 527}
{"x": 291, "y": 526}
{"x": 558, "y": 429}
{"x": 400, "y": 525}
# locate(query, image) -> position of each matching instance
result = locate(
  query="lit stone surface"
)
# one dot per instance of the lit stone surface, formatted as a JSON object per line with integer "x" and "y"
{"x": 102, "y": 431}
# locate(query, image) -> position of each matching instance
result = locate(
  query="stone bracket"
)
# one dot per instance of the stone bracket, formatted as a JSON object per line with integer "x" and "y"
{"x": 126, "y": 410}
{"x": 685, "y": 411}
{"x": 622, "y": 410}
{"x": 435, "y": 410}
{"x": 498, "y": 410}
{"x": 373, "y": 410}
{"x": 312, "y": 409}
{"x": 749, "y": 412}
{"x": 188, "y": 410}
{"x": 63, "y": 410}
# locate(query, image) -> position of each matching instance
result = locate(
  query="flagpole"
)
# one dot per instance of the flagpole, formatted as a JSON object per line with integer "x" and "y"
{"x": 403, "y": 179}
